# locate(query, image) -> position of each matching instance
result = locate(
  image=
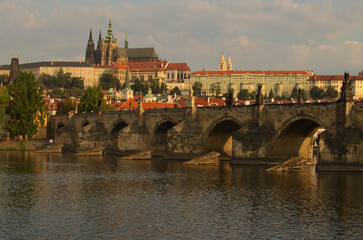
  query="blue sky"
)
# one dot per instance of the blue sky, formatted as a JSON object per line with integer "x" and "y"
{"x": 322, "y": 35}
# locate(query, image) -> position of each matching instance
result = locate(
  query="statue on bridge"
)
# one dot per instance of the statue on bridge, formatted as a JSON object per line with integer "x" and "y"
{"x": 299, "y": 96}
{"x": 346, "y": 89}
{"x": 229, "y": 98}
{"x": 259, "y": 96}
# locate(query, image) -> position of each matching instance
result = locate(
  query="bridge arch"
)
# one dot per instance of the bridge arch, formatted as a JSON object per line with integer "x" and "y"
{"x": 117, "y": 126}
{"x": 218, "y": 136}
{"x": 160, "y": 136}
{"x": 295, "y": 137}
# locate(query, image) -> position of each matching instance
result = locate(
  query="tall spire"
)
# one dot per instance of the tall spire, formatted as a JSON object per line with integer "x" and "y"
{"x": 90, "y": 36}
{"x": 90, "y": 56}
{"x": 229, "y": 63}
{"x": 126, "y": 46}
{"x": 109, "y": 36}
{"x": 222, "y": 64}
{"x": 99, "y": 41}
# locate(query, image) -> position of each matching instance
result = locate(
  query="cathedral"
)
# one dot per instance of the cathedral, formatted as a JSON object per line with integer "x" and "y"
{"x": 107, "y": 52}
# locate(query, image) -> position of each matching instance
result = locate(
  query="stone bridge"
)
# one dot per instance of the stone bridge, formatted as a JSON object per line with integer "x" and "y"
{"x": 249, "y": 134}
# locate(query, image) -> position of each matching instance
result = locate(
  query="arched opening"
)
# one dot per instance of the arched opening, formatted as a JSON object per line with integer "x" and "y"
{"x": 84, "y": 124}
{"x": 116, "y": 129}
{"x": 297, "y": 139}
{"x": 60, "y": 126}
{"x": 220, "y": 138}
{"x": 160, "y": 138}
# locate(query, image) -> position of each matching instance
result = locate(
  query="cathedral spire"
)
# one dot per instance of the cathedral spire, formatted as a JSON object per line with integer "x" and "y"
{"x": 99, "y": 41}
{"x": 90, "y": 50}
{"x": 222, "y": 64}
{"x": 126, "y": 46}
{"x": 109, "y": 36}
{"x": 229, "y": 63}
{"x": 90, "y": 36}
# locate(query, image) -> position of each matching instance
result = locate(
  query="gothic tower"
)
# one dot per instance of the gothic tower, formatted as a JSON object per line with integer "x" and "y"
{"x": 222, "y": 64}
{"x": 109, "y": 44}
{"x": 90, "y": 50}
{"x": 229, "y": 63}
{"x": 126, "y": 46}
{"x": 99, "y": 44}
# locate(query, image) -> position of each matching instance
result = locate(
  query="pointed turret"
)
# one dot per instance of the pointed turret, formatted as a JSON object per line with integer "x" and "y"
{"x": 109, "y": 36}
{"x": 90, "y": 50}
{"x": 99, "y": 41}
{"x": 229, "y": 63}
{"x": 222, "y": 64}
{"x": 126, "y": 46}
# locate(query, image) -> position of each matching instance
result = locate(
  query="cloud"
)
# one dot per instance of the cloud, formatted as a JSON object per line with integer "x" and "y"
{"x": 259, "y": 34}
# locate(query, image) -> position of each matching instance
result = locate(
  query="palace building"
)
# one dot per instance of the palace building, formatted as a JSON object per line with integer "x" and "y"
{"x": 107, "y": 52}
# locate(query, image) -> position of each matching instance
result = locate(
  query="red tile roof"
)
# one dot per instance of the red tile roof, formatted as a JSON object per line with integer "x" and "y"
{"x": 251, "y": 72}
{"x": 216, "y": 102}
{"x": 148, "y": 66}
{"x": 178, "y": 66}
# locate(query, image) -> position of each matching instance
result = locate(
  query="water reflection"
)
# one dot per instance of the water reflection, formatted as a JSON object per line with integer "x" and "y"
{"x": 69, "y": 197}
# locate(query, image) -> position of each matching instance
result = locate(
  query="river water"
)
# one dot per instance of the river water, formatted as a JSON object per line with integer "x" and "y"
{"x": 61, "y": 196}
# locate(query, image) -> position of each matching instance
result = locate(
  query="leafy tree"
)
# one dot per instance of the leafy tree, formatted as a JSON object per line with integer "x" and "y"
{"x": 4, "y": 102}
{"x": 65, "y": 106}
{"x": 92, "y": 100}
{"x": 47, "y": 80}
{"x": 58, "y": 93}
{"x": 175, "y": 90}
{"x": 252, "y": 95}
{"x": 156, "y": 87}
{"x": 243, "y": 94}
{"x": 216, "y": 89}
{"x": 62, "y": 80}
{"x": 27, "y": 106}
{"x": 74, "y": 92}
{"x": 331, "y": 93}
{"x": 4, "y": 78}
{"x": 77, "y": 82}
{"x": 316, "y": 93}
{"x": 294, "y": 93}
{"x": 197, "y": 88}
{"x": 139, "y": 86}
{"x": 107, "y": 81}
{"x": 271, "y": 94}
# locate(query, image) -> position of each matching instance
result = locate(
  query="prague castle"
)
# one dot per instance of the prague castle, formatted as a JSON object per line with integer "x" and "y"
{"x": 107, "y": 52}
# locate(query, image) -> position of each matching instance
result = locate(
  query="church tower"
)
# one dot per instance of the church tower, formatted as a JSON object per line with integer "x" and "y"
{"x": 99, "y": 44}
{"x": 126, "y": 46}
{"x": 222, "y": 64}
{"x": 108, "y": 46}
{"x": 90, "y": 50}
{"x": 229, "y": 63}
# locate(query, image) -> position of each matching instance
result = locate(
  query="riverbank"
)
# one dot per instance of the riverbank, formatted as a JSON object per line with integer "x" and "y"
{"x": 23, "y": 146}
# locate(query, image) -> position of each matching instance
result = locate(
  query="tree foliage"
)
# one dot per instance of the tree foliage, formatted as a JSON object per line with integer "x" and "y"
{"x": 61, "y": 80}
{"x": 294, "y": 93}
{"x": 139, "y": 86}
{"x": 27, "y": 108}
{"x": 197, "y": 88}
{"x": 154, "y": 84}
{"x": 216, "y": 89}
{"x": 4, "y": 78}
{"x": 331, "y": 93}
{"x": 108, "y": 80}
{"x": 92, "y": 100}
{"x": 316, "y": 93}
{"x": 271, "y": 94}
{"x": 176, "y": 91}
{"x": 4, "y": 102}
{"x": 66, "y": 106}
{"x": 243, "y": 94}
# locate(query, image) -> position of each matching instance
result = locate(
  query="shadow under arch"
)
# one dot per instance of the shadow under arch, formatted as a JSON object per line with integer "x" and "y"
{"x": 219, "y": 136}
{"x": 116, "y": 128}
{"x": 160, "y": 137}
{"x": 295, "y": 137}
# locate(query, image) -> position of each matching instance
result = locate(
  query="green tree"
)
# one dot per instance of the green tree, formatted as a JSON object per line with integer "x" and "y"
{"x": 197, "y": 88}
{"x": 4, "y": 102}
{"x": 271, "y": 94}
{"x": 108, "y": 80}
{"x": 62, "y": 80}
{"x": 216, "y": 89}
{"x": 77, "y": 82}
{"x": 243, "y": 94}
{"x": 294, "y": 93}
{"x": 58, "y": 93}
{"x": 252, "y": 95}
{"x": 331, "y": 93}
{"x": 92, "y": 100}
{"x": 4, "y": 78}
{"x": 139, "y": 86}
{"x": 316, "y": 93}
{"x": 66, "y": 106}
{"x": 27, "y": 108}
{"x": 176, "y": 91}
{"x": 47, "y": 80}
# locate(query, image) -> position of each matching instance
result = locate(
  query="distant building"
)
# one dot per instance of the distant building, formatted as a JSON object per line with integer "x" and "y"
{"x": 336, "y": 81}
{"x": 280, "y": 82}
{"x": 361, "y": 73}
{"x": 107, "y": 52}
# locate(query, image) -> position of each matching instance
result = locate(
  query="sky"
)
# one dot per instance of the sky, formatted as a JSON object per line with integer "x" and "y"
{"x": 325, "y": 36}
